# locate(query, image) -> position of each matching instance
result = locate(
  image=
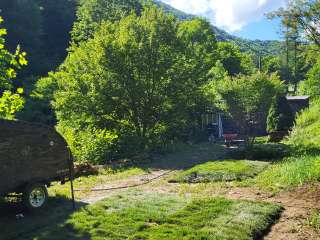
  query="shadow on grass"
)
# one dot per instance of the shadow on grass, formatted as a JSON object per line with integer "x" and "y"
{"x": 271, "y": 152}
{"x": 17, "y": 223}
{"x": 190, "y": 156}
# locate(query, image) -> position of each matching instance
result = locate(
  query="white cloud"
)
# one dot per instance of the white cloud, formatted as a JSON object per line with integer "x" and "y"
{"x": 232, "y": 15}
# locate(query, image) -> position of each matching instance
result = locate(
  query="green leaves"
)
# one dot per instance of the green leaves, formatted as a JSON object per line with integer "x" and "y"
{"x": 247, "y": 99}
{"x": 10, "y": 102}
{"x": 91, "y": 13}
{"x": 139, "y": 77}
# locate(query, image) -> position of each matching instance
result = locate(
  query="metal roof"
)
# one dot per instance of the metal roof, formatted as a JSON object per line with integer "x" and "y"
{"x": 298, "y": 97}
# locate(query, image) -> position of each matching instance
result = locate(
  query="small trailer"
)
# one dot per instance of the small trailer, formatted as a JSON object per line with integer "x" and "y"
{"x": 31, "y": 157}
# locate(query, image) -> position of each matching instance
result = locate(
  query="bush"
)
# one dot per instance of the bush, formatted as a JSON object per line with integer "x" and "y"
{"x": 281, "y": 117}
{"x": 93, "y": 145}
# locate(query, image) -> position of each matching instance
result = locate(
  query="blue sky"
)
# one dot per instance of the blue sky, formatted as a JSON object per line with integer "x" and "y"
{"x": 263, "y": 29}
{"x": 243, "y": 18}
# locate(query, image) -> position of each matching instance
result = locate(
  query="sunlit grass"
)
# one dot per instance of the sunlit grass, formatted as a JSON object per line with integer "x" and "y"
{"x": 229, "y": 170}
{"x": 161, "y": 216}
{"x": 104, "y": 177}
{"x": 290, "y": 173}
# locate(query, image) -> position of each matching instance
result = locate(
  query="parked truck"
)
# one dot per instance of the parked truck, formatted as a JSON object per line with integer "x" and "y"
{"x": 32, "y": 156}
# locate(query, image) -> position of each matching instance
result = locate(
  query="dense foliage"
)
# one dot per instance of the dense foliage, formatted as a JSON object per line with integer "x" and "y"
{"x": 91, "y": 13}
{"x": 247, "y": 99}
{"x": 234, "y": 61}
{"x": 138, "y": 79}
{"x": 311, "y": 86}
{"x": 10, "y": 100}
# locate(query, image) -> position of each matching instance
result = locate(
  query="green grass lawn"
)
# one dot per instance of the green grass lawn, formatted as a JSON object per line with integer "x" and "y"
{"x": 290, "y": 173}
{"x": 137, "y": 216}
{"x": 140, "y": 216}
{"x": 103, "y": 178}
{"x": 228, "y": 170}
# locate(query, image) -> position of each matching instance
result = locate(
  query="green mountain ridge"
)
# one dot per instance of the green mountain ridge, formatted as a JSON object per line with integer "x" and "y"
{"x": 257, "y": 47}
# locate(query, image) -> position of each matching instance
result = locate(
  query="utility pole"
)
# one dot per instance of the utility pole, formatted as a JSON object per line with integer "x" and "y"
{"x": 260, "y": 63}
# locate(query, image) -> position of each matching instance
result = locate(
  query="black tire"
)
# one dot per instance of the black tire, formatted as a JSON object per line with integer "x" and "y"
{"x": 35, "y": 196}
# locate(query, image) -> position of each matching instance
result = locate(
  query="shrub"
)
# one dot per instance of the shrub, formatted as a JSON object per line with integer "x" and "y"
{"x": 311, "y": 86}
{"x": 93, "y": 145}
{"x": 281, "y": 117}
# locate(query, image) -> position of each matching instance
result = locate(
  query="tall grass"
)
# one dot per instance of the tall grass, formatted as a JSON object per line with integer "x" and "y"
{"x": 305, "y": 136}
{"x": 304, "y": 165}
{"x": 290, "y": 173}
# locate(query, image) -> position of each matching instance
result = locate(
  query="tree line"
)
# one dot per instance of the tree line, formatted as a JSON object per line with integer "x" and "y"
{"x": 136, "y": 78}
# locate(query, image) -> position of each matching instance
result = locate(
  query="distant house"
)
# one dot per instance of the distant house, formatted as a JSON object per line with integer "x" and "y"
{"x": 298, "y": 103}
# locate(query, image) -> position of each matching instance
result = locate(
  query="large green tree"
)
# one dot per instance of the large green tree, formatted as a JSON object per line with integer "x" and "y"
{"x": 247, "y": 100}
{"x": 138, "y": 78}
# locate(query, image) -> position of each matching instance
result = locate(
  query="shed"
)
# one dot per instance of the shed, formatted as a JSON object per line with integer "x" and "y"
{"x": 298, "y": 103}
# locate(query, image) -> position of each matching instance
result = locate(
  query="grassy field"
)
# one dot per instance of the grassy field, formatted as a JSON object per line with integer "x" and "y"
{"x": 136, "y": 215}
{"x": 185, "y": 213}
{"x": 227, "y": 170}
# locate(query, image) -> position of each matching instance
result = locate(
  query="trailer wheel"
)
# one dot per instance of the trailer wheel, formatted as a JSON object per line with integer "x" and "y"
{"x": 35, "y": 196}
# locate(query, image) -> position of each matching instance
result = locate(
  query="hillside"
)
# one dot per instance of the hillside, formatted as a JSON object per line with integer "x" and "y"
{"x": 252, "y": 46}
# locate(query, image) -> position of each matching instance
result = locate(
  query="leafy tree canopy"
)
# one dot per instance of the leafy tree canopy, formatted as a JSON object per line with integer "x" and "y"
{"x": 301, "y": 17}
{"x": 247, "y": 99}
{"x": 91, "y": 13}
{"x": 138, "y": 78}
{"x": 233, "y": 60}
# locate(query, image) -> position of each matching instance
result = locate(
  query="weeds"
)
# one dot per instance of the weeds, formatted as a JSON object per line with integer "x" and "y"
{"x": 314, "y": 220}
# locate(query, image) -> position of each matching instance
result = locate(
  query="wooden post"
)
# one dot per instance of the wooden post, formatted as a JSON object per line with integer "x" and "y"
{"x": 71, "y": 176}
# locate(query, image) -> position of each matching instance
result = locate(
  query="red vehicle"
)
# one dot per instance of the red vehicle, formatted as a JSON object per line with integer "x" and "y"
{"x": 229, "y": 138}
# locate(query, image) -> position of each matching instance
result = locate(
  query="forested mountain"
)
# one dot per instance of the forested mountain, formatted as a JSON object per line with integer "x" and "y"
{"x": 42, "y": 29}
{"x": 254, "y": 46}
